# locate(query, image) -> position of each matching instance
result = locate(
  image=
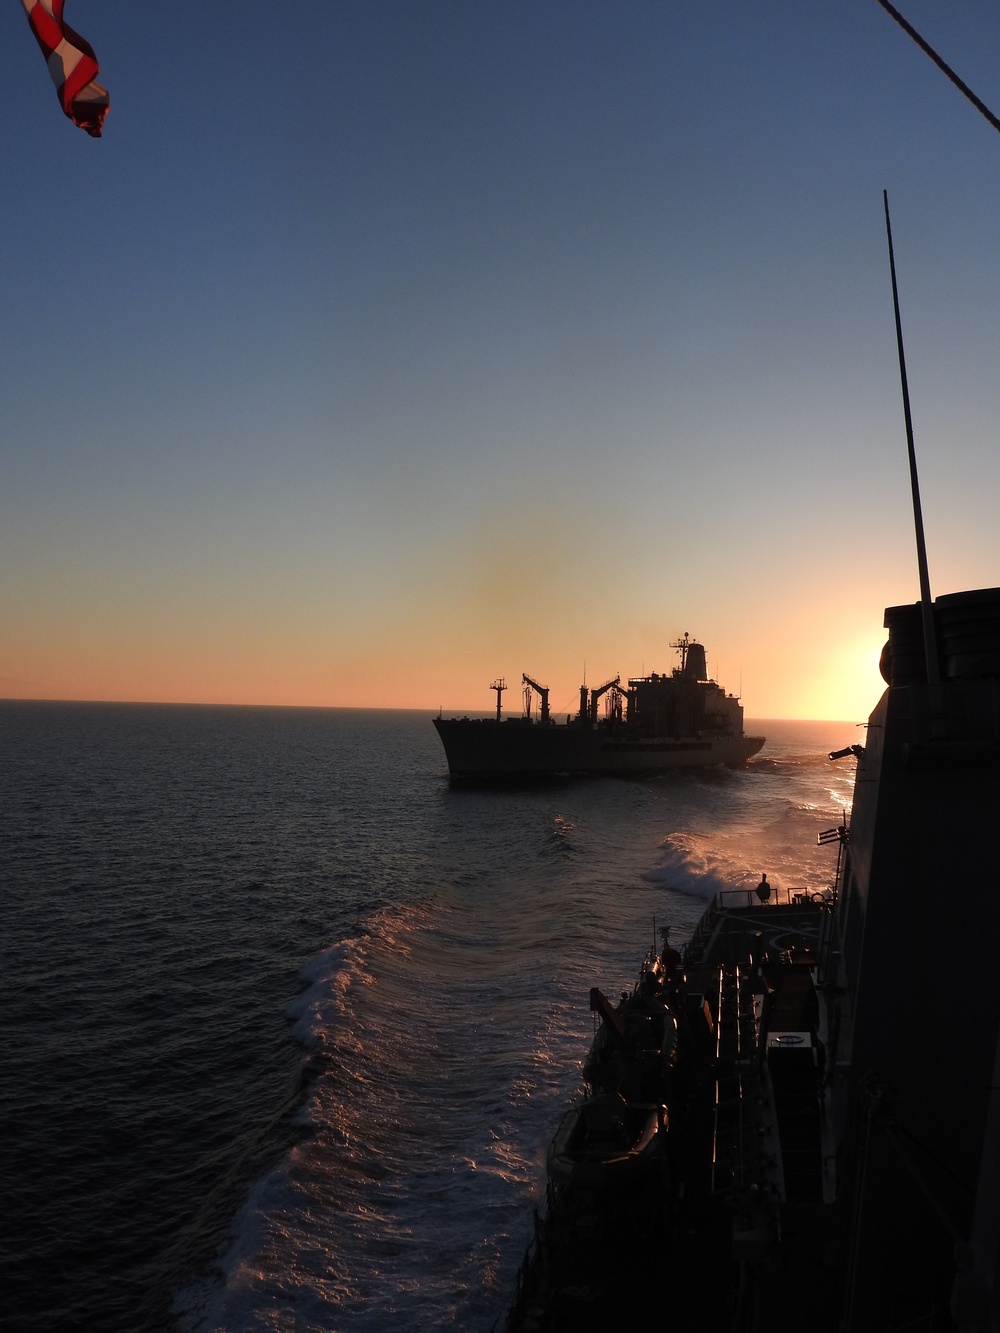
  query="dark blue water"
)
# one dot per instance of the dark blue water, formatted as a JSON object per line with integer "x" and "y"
{"x": 287, "y": 1022}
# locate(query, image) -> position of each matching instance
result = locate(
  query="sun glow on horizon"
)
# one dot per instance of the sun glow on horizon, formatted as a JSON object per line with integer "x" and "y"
{"x": 845, "y": 683}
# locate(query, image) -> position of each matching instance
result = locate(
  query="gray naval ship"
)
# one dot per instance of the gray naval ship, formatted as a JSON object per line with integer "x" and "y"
{"x": 651, "y": 724}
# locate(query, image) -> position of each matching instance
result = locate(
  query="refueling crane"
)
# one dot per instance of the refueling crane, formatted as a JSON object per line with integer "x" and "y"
{"x": 614, "y": 707}
{"x": 613, "y": 683}
{"x": 542, "y": 691}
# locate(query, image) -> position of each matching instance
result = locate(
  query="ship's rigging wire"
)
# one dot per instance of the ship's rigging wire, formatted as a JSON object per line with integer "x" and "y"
{"x": 941, "y": 64}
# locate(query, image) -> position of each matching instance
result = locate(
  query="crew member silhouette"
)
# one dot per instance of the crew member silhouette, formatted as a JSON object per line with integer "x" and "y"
{"x": 763, "y": 889}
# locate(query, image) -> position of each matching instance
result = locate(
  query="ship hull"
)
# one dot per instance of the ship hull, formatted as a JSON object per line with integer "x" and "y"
{"x": 519, "y": 750}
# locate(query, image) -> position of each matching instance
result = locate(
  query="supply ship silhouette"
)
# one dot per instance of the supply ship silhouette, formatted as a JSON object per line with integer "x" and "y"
{"x": 651, "y": 724}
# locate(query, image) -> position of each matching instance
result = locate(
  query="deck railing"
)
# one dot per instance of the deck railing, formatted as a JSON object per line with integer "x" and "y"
{"x": 779, "y": 898}
{"x": 737, "y": 899}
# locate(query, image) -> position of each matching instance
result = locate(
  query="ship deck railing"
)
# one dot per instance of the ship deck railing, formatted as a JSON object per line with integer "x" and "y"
{"x": 731, "y": 898}
{"x": 737, "y": 903}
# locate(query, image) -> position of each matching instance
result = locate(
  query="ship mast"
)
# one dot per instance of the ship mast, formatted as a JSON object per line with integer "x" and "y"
{"x": 926, "y": 607}
{"x": 499, "y": 685}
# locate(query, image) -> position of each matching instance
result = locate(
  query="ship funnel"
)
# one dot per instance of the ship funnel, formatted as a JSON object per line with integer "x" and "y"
{"x": 694, "y": 665}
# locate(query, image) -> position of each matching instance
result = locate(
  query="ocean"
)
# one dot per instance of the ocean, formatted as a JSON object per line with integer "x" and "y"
{"x": 288, "y": 1023}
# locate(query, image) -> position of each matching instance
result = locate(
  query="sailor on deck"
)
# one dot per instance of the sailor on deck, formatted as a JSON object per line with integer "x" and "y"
{"x": 672, "y": 961}
{"x": 763, "y": 889}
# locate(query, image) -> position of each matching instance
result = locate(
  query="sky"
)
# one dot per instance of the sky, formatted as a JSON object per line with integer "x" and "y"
{"x": 381, "y": 348}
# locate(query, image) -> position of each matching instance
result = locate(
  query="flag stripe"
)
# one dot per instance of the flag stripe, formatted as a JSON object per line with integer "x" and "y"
{"x": 72, "y": 65}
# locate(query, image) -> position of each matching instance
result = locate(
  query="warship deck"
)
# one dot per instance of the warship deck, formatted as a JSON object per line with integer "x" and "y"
{"x": 746, "y": 1239}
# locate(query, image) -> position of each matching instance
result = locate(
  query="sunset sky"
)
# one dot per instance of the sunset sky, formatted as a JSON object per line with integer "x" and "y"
{"x": 383, "y": 347}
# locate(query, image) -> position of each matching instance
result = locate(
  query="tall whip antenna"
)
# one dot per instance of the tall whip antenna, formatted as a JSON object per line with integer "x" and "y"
{"x": 926, "y": 608}
{"x": 945, "y": 69}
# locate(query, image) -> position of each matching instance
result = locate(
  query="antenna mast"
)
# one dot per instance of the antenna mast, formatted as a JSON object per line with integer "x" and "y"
{"x": 499, "y": 685}
{"x": 926, "y": 607}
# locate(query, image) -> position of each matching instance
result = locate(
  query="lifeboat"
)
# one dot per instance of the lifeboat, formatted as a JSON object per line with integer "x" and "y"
{"x": 606, "y": 1149}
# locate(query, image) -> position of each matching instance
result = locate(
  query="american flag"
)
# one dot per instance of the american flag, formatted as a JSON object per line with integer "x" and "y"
{"x": 71, "y": 63}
